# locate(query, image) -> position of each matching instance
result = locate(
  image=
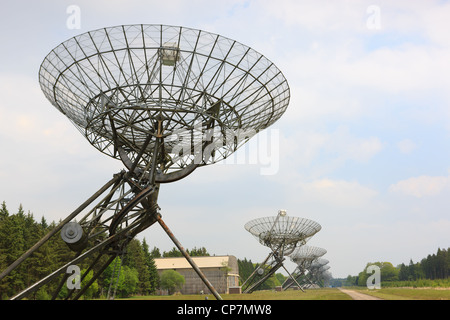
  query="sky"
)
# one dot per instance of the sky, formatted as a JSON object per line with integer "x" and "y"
{"x": 363, "y": 148}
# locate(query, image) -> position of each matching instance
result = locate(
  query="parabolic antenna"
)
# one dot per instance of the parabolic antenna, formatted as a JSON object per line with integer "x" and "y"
{"x": 318, "y": 271}
{"x": 282, "y": 234}
{"x": 303, "y": 256}
{"x": 164, "y": 100}
{"x": 139, "y": 90}
{"x": 306, "y": 253}
{"x": 317, "y": 264}
{"x": 324, "y": 268}
{"x": 282, "y": 231}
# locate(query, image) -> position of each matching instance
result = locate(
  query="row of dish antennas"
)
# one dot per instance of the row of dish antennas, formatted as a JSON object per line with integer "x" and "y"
{"x": 284, "y": 235}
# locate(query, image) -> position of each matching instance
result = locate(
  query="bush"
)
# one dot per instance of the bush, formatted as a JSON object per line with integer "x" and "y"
{"x": 171, "y": 281}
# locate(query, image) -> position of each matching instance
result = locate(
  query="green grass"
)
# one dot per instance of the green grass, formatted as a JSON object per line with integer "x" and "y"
{"x": 312, "y": 294}
{"x": 319, "y": 294}
{"x": 409, "y": 293}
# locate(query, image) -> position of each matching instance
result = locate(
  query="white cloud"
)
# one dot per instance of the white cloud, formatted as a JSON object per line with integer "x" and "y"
{"x": 436, "y": 23}
{"x": 342, "y": 77}
{"x": 319, "y": 16}
{"x": 354, "y": 148}
{"x": 422, "y": 186}
{"x": 406, "y": 146}
{"x": 340, "y": 193}
{"x": 340, "y": 71}
{"x": 397, "y": 70}
{"x": 341, "y": 146}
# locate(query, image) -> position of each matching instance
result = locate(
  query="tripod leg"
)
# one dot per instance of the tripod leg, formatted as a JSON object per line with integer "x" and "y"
{"x": 249, "y": 280}
{"x": 272, "y": 270}
{"x": 293, "y": 278}
{"x": 188, "y": 258}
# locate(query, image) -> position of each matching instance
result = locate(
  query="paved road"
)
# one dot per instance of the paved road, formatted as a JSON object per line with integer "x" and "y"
{"x": 358, "y": 296}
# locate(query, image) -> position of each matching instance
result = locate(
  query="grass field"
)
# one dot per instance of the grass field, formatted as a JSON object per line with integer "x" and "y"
{"x": 409, "y": 293}
{"x": 319, "y": 294}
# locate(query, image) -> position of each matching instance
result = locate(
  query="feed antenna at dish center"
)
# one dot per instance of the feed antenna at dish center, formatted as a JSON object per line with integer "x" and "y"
{"x": 164, "y": 100}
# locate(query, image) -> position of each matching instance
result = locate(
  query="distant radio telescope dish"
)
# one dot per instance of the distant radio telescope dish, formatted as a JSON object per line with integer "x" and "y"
{"x": 303, "y": 256}
{"x": 282, "y": 232}
{"x": 306, "y": 254}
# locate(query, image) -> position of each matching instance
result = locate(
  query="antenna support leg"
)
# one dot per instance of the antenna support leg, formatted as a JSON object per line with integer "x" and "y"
{"x": 188, "y": 258}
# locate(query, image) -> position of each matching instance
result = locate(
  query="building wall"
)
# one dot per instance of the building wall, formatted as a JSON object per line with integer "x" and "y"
{"x": 221, "y": 278}
{"x": 194, "y": 285}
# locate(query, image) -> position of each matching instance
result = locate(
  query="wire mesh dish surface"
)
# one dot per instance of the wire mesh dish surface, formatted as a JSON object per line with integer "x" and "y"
{"x": 306, "y": 253}
{"x": 318, "y": 263}
{"x": 285, "y": 232}
{"x": 122, "y": 84}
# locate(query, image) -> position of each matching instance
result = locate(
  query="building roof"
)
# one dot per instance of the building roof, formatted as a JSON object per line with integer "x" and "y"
{"x": 182, "y": 263}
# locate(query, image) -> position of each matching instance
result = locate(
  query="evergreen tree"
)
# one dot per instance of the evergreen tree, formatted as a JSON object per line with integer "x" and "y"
{"x": 155, "y": 253}
{"x": 201, "y": 252}
{"x": 44, "y": 223}
{"x": 411, "y": 270}
{"x": 153, "y": 272}
{"x": 403, "y": 272}
{"x": 246, "y": 268}
{"x": 3, "y": 211}
{"x": 441, "y": 264}
{"x": 136, "y": 259}
{"x": 172, "y": 253}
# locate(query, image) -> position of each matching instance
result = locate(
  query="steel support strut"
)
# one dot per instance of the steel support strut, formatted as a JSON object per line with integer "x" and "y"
{"x": 129, "y": 207}
{"x": 250, "y": 285}
{"x": 188, "y": 258}
{"x": 41, "y": 242}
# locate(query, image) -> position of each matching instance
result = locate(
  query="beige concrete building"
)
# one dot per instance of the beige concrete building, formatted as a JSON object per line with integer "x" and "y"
{"x": 221, "y": 271}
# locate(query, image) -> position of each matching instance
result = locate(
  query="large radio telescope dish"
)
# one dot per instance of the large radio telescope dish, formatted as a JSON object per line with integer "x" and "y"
{"x": 125, "y": 86}
{"x": 164, "y": 100}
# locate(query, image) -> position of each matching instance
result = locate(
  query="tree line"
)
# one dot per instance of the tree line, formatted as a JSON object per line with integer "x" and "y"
{"x": 20, "y": 231}
{"x": 434, "y": 267}
{"x": 138, "y": 275}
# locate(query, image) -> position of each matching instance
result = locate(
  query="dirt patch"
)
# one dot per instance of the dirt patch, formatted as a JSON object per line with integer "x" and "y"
{"x": 358, "y": 295}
